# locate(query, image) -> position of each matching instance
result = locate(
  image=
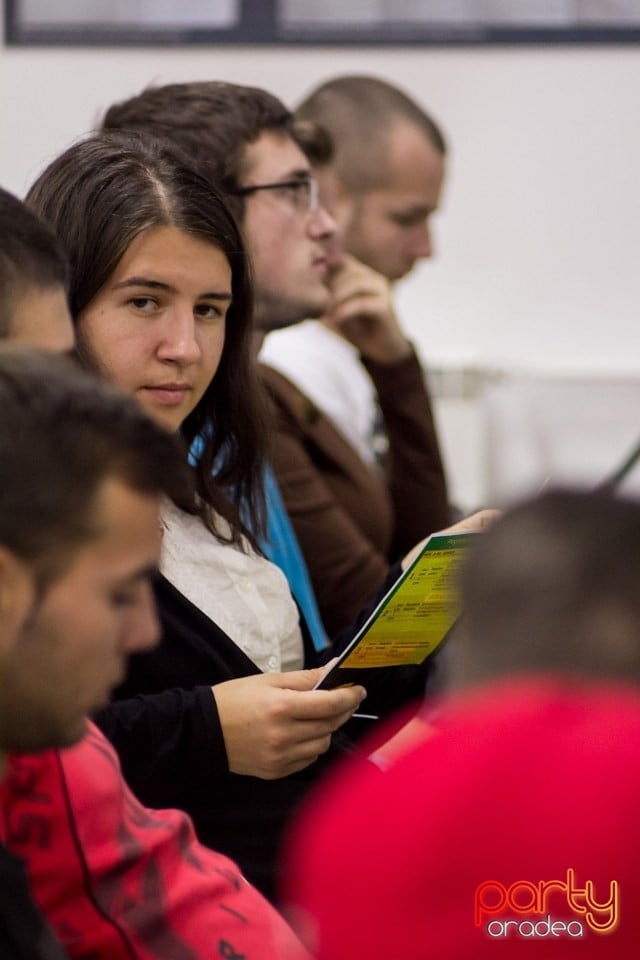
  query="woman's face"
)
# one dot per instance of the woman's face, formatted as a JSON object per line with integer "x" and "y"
{"x": 156, "y": 328}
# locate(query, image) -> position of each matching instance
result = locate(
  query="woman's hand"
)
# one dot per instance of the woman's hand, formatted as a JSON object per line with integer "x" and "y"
{"x": 275, "y": 723}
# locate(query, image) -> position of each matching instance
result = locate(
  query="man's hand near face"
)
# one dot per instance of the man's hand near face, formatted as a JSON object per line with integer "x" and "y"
{"x": 362, "y": 312}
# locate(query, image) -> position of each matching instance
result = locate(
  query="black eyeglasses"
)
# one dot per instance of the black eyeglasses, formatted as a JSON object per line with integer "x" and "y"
{"x": 302, "y": 193}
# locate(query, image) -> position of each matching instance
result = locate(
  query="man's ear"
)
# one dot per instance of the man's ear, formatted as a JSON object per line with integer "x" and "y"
{"x": 334, "y": 196}
{"x": 17, "y": 594}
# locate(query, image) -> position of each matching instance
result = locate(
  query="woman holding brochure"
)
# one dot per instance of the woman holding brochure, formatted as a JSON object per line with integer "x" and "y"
{"x": 221, "y": 719}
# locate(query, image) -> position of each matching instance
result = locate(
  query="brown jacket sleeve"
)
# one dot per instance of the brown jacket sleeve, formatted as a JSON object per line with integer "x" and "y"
{"x": 340, "y": 508}
{"x": 413, "y": 463}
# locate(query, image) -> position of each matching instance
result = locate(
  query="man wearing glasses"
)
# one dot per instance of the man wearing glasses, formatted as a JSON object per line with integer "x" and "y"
{"x": 349, "y": 519}
{"x": 385, "y": 178}
{"x": 287, "y": 233}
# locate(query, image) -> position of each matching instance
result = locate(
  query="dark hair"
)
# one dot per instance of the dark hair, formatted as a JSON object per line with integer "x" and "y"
{"x": 98, "y": 196}
{"x": 358, "y": 112}
{"x": 214, "y": 122}
{"x": 554, "y": 586}
{"x": 30, "y": 256}
{"x": 62, "y": 433}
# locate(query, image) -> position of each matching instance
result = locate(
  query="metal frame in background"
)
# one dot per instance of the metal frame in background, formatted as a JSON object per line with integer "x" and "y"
{"x": 259, "y": 24}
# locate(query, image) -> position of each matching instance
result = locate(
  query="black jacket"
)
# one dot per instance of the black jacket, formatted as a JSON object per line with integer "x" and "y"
{"x": 165, "y": 727}
{"x": 24, "y": 935}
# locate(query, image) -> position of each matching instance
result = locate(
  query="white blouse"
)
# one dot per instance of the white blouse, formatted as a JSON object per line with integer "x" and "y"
{"x": 245, "y": 594}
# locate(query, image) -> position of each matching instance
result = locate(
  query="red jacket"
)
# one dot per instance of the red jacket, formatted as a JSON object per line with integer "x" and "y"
{"x": 118, "y": 881}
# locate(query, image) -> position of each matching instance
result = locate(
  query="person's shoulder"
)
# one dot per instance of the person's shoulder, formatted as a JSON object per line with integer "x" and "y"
{"x": 287, "y": 393}
{"x": 24, "y": 769}
{"x": 303, "y": 343}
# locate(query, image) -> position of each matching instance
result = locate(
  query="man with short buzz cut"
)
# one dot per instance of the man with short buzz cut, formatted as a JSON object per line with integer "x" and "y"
{"x": 383, "y": 186}
{"x": 387, "y": 170}
{"x": 351, "y": 520}
{"x": 33, "y": 280}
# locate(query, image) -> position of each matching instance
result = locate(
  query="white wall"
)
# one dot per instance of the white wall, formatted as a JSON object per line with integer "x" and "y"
{"x": 538, "y": 240}
{"x": 538, "y": 263}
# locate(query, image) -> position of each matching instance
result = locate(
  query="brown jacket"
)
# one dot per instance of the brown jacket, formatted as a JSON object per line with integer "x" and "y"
{"x": 351, "y": 519}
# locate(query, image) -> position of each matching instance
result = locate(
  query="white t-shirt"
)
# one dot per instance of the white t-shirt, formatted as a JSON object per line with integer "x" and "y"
{"x": 328, "y": 370}
{"x": 245, "y": 594}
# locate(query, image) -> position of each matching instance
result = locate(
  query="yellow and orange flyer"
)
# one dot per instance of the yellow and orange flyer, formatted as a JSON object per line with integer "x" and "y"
{"x": 413, "y": 618}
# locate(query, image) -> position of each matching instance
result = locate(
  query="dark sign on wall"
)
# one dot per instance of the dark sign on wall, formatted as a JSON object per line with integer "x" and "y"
{"x": 326, "y": 22}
